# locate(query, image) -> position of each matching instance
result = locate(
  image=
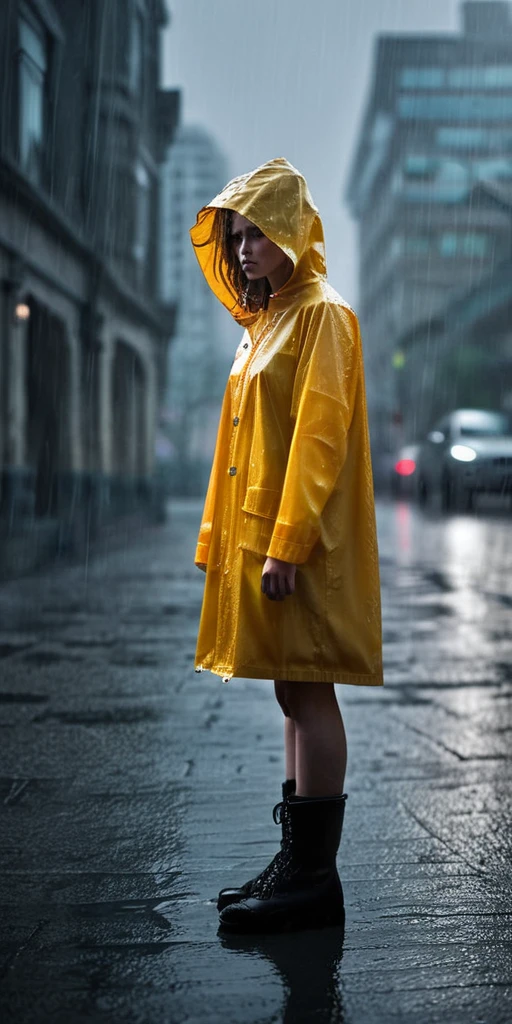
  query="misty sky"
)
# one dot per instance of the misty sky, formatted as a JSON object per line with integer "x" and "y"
{"x": 289, "y": 78}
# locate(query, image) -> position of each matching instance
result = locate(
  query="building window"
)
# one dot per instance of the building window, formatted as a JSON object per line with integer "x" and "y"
{"x": 417, "y": 245}
{"x": 463, "y": 138}
{"x": 475, "y": 245}
{"x": 493, "y": 76}
{"x": 410, "y": 245}
{"x": 470, "y": 244}
{"x": 33, "y": 87}
{"x": 422, "y": 78}
{"x": 490, "y": 170}
{"x": 423, "y": 168}
{"x": 455, "y": 108}
{"x": 472, "y": 139}
{"x": 497, "y": 76}
{"x": 443, "y": 170}
{"x": 448, "y": 244}
{"x": 432, "y": 179}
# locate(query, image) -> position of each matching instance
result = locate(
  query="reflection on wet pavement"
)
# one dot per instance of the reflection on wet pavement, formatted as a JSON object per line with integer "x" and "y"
{"x": 309, "y": 971}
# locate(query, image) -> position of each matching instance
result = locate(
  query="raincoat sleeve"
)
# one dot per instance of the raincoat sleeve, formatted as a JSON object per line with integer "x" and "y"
{"x": 205, "y": 532}
{"x": 322, "y": 405}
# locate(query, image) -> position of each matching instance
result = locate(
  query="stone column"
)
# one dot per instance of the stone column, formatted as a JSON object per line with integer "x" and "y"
{"x": 16, "y": 397}
{"x": 105, "y": 410}
{"x": 72, "y": 485}
{"x": 75, "y": 405}
{"x": 17, "y": 496}
{"x": 134, "y": 422}
{"x": 95, "y": 406}
{"x": 151, "y": 414}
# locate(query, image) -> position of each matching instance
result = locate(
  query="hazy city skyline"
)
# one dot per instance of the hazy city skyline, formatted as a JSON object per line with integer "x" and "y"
{"x": 285, "y": 81}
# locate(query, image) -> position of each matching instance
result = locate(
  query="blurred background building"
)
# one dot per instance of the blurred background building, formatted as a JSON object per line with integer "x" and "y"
{"x": 84, "y": 128}
{"x": 198, "y": 361}
{"x": 431, "y": 187}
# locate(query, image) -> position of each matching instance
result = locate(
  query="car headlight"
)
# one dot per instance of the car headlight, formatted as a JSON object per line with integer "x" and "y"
{"x": 463, "y": 453}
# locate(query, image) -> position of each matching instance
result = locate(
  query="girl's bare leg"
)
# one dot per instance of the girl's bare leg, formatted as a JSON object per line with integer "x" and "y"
{"x": 289, "y": 730}
{"x": 289, "y": 748}
{"x": 318, "y": 734}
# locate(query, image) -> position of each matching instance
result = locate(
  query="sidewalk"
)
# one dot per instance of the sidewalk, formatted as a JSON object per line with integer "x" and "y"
{"x": 133, "y": 789}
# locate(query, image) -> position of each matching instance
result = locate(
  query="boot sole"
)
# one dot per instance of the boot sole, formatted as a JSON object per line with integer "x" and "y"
{"x": 277, "y": 924}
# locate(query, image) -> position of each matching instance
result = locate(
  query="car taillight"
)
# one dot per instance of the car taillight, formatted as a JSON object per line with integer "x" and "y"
{"x": 405, "y": 467}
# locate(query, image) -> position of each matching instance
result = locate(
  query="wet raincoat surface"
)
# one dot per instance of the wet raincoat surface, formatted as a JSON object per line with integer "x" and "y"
{"x": 291, "y": 476}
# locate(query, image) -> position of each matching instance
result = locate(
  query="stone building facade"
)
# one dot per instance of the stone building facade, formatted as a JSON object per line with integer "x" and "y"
{"x": 438, "y": 122}
{"x": 84, "y": 127}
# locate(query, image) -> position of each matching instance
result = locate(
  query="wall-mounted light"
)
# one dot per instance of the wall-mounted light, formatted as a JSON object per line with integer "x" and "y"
{"x": 21, "y": 312}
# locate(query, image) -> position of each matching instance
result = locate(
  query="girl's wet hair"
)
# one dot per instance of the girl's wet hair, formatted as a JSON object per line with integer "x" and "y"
{"x": 250, "y": 295}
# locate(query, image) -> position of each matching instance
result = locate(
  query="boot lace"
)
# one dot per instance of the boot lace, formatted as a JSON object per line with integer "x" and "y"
{"x": 264, "y": 885}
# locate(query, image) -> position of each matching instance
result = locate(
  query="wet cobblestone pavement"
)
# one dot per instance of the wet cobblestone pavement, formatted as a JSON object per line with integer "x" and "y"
{"x": 132, "y": 789}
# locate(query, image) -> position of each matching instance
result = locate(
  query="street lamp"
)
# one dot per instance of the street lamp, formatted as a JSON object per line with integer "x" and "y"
{"x": 21, "y": 312}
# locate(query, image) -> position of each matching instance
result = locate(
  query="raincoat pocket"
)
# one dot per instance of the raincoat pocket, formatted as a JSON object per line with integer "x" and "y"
{"x": 259, "y": 512}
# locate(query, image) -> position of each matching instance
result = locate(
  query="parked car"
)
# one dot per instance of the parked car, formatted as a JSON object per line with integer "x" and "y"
{"x": 468, "y": 451}
{"x": 404, "y": 472}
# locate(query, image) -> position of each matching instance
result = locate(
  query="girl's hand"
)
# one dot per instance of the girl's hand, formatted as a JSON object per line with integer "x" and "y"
{"x": 278, "y": 579}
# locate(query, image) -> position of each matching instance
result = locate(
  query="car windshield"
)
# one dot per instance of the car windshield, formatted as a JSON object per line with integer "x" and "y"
{"x": 484, "y": 424}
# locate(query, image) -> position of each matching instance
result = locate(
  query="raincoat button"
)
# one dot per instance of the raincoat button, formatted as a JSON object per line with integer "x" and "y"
{"x": 232, "y": 470}
{"x": 236, "y": 421}
{"x": 246, "y": 344}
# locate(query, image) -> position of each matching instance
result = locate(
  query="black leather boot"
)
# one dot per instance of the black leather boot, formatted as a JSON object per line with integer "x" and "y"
{"x": 281, "y": 816}
{"x": 304, "y": 889}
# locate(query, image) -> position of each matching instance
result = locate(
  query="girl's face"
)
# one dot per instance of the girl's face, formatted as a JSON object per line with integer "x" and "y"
{"x": 258, "y": 256}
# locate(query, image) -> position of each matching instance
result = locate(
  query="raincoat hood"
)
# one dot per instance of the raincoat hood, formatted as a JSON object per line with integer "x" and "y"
{"x": 276, "y": 198}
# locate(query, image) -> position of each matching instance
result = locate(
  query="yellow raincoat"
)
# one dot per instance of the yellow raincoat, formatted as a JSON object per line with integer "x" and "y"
{"x": 291, "y": 476}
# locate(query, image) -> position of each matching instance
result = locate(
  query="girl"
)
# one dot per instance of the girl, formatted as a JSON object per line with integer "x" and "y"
{"x": 288, "y": 538}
